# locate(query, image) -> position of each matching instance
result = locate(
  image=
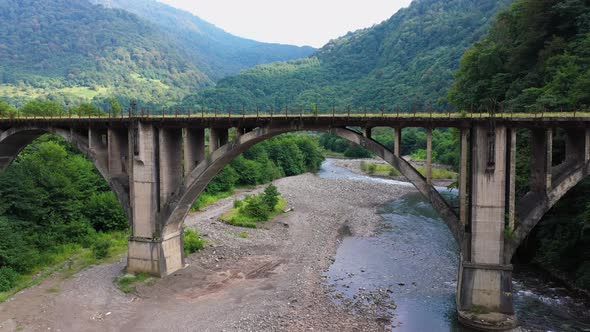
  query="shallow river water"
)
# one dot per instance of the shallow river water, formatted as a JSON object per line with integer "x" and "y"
{"x": 415, "y": 259}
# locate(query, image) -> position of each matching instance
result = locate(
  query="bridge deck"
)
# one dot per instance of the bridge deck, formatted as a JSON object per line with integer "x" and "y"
{"x": 451, "y": 120}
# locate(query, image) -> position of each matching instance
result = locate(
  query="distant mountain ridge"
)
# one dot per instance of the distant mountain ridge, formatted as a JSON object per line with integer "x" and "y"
{"x": 73, "y": 50}
{"x": 406, "y": 61}
{"x": 213, "y": 50}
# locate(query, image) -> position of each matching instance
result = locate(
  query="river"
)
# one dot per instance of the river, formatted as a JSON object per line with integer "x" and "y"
{"x": 415, "y": 258}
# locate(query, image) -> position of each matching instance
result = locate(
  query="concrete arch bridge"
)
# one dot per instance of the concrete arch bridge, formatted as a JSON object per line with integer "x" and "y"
{"x": 157, "y": 166}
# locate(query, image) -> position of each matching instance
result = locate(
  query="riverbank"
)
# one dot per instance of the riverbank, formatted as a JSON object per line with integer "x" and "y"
{"x": 268, "y": 279}
{"x": 354, "y": 165}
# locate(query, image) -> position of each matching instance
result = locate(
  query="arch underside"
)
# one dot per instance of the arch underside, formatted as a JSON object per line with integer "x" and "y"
{"x": 533, "y": 206}
{"x": 178, "y": 207}
{"x": 14, "y": 140}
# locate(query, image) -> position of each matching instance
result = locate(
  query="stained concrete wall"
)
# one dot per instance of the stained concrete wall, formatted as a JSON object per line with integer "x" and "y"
{"x": 170, "y": 162}
{"x": 194, "y": 148}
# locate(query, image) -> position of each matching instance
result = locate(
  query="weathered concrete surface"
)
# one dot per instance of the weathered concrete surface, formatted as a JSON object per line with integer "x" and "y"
{"x": 194, "y": 148}
{"x": 484, "y": 281}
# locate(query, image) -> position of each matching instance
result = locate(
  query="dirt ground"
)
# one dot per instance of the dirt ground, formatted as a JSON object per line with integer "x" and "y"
{"x": 271, "y": 280}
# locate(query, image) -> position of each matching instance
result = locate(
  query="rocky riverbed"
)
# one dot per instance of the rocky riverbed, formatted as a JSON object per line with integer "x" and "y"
{"x": 270, "y": 280}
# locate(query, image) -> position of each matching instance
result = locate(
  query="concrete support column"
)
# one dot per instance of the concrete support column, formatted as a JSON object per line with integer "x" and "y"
{"x": 575, "y": 146}
{"x": 587, "y": 145}
{"x": 367, "y": 132}
{"x": 541, "y": 160}
{"x": 118, "y": 151}
{"x": 149, "y": 250}
{"x": 170, "y": 163}
{"x": 397, "y": 141}
{"x": 511, "y": 188}
{"x": 217, "y": 137}
{"x": 463, "y": 209}
{"x": 194, "y": 149}
{"x": 484, "y": 290}
{"x": 429, "y": 155}
{"x": 97, "y": 145}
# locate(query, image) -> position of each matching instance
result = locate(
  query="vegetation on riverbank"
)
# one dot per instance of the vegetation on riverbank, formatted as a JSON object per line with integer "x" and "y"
{"x": 256, "y": 208}
{"x": 388, "y": 170}
{"x": 54, "y": 205}
{"x": 285, "y": 155}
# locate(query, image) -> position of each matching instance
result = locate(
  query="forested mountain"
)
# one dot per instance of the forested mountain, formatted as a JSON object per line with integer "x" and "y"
{"x": 69, "y": 44}
{"x": 214, "y": 51}
{"x": 405, "y": 61}
{"x": 70, "y": 50}
{"x": 536, "y": 55}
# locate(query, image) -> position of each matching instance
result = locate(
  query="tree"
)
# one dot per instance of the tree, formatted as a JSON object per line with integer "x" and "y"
{"x": 41, "y": 108}
{"x": 115, "y": 107}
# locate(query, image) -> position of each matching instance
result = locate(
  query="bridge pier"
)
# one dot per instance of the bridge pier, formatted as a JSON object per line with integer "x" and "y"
{"x": 484, "y": 289}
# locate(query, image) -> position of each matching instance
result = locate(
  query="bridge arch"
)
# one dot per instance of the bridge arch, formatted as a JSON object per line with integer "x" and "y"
{"x": 533, "y": 206}
{"x": 179, "y": 206}
{"x": 15, "y": 139}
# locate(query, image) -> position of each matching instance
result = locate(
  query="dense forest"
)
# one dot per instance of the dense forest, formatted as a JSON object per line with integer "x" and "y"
{"x": 214, "y": 51}
{"x": 407, "y": 61}
{"x": 536, "y": 56}
{"x": 74, "y": 51}
{"x": 53, "y": 202}
{"x": 57, "y": 44}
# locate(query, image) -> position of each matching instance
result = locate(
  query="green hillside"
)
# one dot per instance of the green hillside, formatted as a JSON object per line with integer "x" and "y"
{"x": 73, "y": 48}
{"x": 405, "y": 61}
{"x": 537, "y": 55}
{"x": 214, "y": 51}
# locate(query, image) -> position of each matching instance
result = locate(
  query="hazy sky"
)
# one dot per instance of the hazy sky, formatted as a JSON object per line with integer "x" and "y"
{"x": 300, "y": 22}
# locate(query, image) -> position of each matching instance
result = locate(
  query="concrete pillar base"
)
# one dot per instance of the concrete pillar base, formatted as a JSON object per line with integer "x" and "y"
{"x": 157, "y": 257}
{"x": 484, "y": 297}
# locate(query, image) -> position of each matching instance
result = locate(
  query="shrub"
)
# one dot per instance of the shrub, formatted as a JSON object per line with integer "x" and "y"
{"x": 270, "y": 197}
{"x": 192, "y": 242}
{"x": 105, "y": 212}
{"x": 256, "y": 208}
{"x": 8, "y": 278}
{"x": 356, "y": 151}
{"x": 238, "y": 204}
{"x": 371, "y": 169}
{"x": 100, "y": 249}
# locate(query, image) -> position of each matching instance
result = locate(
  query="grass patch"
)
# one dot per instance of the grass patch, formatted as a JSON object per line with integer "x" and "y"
{"x": 54, "y": 290}
{"x": 438, "y": 173}
{"x": 238, "y": 218}
{"x": 70, "y": 259}
{"x": 388, "y": 170}
{"x": 379, "y": 169}
{"x": 206, "y": 199}
{"x": 192, "y": 241}
{"x": 127, "y": 283}
{"x": 243, "y": 235}
{"x": 257, "y": 208}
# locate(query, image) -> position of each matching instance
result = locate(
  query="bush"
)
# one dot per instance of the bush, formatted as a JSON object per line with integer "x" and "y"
{"x": 100, "y": 249}
{"x": 371, "y": 169}
{"x": 238, "y": 204}
{"x": 270, "y": 197}
{"x": 192, "y": 242}
{"x": 8, "y": 278}
{"x": 356, "y": 151}
{"x": 256, "y": 208}
{"x": 105, "y": 213}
